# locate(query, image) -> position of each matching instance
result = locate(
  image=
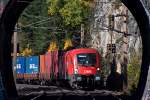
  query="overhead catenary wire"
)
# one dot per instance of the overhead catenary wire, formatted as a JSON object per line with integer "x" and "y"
{"x": 32, "y": 16}
{"x": 23, "y": 1}
{"x": 36, "y": 25}
{"x": 37, "y": 22}
{"x": 115, "y": 30}
{"x": 50, "y": 29}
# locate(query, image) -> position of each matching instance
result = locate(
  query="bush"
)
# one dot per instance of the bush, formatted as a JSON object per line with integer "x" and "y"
{"x": 133, "y": 72}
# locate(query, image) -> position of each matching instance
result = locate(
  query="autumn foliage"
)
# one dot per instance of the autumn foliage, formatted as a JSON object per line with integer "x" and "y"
{"x": 67, "y": 44}
{"x": 52, "y": 46}
{"x": 27, "y": 52}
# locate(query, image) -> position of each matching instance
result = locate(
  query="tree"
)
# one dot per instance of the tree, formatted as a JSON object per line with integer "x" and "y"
{"x": 50, "y": 20}
{"x": 34, "y": 27}
{"x": 75, "y": 12}
{"x": 72, "y": 12}
{"x": 134, "y": 71}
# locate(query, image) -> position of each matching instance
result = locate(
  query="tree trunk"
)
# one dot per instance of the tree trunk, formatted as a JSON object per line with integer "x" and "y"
{"x": 82, "y": 35}
{"x": 125, "y": 59}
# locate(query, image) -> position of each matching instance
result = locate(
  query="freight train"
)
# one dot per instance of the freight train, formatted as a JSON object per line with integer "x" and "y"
{"x": 79, "y": 67}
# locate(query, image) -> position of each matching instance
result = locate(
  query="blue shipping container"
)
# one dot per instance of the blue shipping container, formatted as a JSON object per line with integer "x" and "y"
{"x": 20, "y": 65}
{"x": 32, "y": 64}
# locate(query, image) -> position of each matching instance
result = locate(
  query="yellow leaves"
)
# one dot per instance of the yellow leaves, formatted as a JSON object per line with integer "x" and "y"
{"x": 53, "y": 7}
{"x": 88, "y": 3}
{"x": 65, "y": 12}
{"x": 53, "y": 46}
{"x": 27, "y": 52}
{"x": 85, "y": 3}
{"x": 72, "y": 11}
{"x": 59, "y": 42}
{"x": 51, "y": 11}
{"x": 67, "y": 44}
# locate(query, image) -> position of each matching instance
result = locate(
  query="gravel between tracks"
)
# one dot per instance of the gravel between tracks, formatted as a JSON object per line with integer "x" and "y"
{"x": 48, "y": 91}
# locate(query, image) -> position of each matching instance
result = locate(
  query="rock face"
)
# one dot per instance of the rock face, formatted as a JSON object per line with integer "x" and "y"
{"x": 113, "y": 23}
{"x": 124, "y": 22}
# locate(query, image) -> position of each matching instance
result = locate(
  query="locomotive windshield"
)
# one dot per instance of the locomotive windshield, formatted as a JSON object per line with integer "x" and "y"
{"x": 88, "y": 59}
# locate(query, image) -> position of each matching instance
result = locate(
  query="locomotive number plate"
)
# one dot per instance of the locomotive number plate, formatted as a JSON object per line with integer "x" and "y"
{"x": 87, "y": 71}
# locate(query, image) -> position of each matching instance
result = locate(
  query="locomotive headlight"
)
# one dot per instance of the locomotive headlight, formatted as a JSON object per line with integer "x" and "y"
{"x": 76, "y": 71}
{"x": 97, "y": 78}
{"x": 79, "y": 78}
{"x": 98, "y": 69}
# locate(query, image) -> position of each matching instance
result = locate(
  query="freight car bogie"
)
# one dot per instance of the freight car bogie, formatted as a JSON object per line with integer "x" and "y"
{"x": 42, "y": 82}
{"x": 20, "y": 81}
{"x": 32, "y": 81}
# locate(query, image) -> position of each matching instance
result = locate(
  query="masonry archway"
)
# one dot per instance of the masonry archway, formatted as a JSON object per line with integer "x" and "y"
{"x": 11, "y": 14}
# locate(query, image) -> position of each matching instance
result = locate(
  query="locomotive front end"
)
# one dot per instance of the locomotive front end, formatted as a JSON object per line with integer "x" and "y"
{"x": 86, "y": 68}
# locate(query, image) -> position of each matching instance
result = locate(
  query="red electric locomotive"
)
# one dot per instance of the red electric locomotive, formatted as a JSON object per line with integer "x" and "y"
{"x": 83, "y": 67}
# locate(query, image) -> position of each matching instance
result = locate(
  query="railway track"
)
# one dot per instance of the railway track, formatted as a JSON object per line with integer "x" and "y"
{"x": 36, "y": 92}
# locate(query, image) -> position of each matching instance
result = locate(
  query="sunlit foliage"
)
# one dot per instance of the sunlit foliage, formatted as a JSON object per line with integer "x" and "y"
{"x": 73, "y": 12}
{"x": 27, "y": 52}
{"x": 67, "y": 44}
{"x": 53, "y": 46}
